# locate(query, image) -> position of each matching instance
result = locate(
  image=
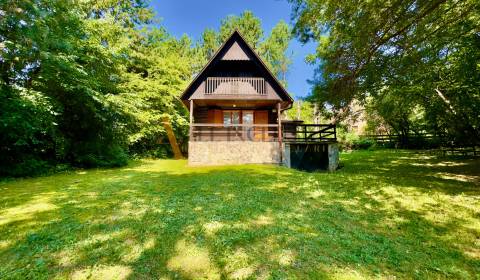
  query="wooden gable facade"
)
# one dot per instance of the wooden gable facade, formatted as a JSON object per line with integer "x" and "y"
{"x": 235, "y": 106}
{"x": 235, "y": 97}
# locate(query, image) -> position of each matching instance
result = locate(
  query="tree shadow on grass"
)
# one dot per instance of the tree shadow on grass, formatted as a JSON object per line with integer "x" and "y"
{"x": 422, "y": 171}
{"x": 250, "y": 221}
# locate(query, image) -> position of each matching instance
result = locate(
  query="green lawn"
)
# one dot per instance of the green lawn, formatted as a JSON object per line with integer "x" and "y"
{"x": 384, "y": 214}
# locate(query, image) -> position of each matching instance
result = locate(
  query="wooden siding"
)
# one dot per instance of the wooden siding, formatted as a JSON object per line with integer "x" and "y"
{"x": 200, "y": 115}
{"x": 235, "y": 52}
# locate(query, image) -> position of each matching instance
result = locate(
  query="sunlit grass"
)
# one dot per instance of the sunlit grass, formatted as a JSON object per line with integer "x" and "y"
{"x": 385, "y": 214}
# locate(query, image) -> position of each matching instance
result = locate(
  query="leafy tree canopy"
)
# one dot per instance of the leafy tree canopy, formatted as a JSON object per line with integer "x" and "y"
{"x": 76, "y": 83}
{"x": 423, "y": 53}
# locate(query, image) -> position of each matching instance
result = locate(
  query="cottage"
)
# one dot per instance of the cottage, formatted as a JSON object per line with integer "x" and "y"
{"x": 236, "y": 107}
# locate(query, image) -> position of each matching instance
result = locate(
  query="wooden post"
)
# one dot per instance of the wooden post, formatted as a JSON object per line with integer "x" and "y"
{"x": 190, "y": 133}
{"x": 279, "y": 116}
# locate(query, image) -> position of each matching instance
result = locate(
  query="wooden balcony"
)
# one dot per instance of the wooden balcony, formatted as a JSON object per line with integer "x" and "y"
{"x": 235, "y": 132}
{"x": 235, "y": 86}
{"x": 303, "y": 133}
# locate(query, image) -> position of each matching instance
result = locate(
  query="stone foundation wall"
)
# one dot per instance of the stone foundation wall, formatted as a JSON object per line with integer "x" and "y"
{"x": 333, "y": 157}
{"x": 232, "y": 152}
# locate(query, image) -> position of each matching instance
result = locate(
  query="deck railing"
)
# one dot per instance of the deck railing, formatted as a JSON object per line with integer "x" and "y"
{"x": 235, "y": 85}
{"x": 306, "y": 133}
{"x": 234, "y": 132}
{"x": 299, "y": 133}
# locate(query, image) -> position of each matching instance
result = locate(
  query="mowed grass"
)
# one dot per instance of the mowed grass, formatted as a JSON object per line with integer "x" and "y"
{"x": 384, "y": 215}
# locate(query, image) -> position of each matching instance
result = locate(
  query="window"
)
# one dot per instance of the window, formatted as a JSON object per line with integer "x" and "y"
{"x": 247, "y": 117}
{"x": 231, "y": 117}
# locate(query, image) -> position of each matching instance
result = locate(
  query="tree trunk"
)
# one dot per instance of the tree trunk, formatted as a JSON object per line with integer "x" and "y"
{"x": 177, "y": 154}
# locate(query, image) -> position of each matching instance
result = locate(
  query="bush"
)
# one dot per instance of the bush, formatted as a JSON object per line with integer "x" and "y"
{"x": 27, "y": 167}
{"x": 345, "y": 138}
{"x": 27, "y": 133}
{"x": 160, "y": 152}
{"x": 95, "y": 155}
{"x": 352, "y": 141}
{"x": 363, "y": 144}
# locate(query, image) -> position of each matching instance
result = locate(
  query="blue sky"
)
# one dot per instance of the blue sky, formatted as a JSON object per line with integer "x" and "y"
{"x": 193, "y": 16}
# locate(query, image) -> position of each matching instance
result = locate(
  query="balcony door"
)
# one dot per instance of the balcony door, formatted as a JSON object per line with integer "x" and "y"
{"x": 261, "y": 133}
{"x": 231, "y": 117}
{"x": 247, "y": 121}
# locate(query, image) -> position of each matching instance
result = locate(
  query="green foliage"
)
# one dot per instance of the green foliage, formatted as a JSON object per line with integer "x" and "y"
{"x": 385, "y": 214}
{"x": 83, "y": 83}
{"x": 210, "y": 43}
{"x": 409, "y": 56}
{"x": 159, "y": 68}
{"x": 363, "y": 144}
{"x": 305, "y": 111}
{"x": 98, "y": 154}
{"x": 273, "y": 50}
{"x": 351, "y": 141}
{"x": 36, "y": 77}
{"x": 401, "y": 113}
{"x": 247, "y": 24}
{"x": 27, "y": 133}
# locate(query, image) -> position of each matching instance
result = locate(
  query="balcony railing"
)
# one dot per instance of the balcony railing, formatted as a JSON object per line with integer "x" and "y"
{"x": 308, "y": 133}
{"x": 235, "y": 85}
{"x": 299, "y": 133}
{"x": 235, "y": 132}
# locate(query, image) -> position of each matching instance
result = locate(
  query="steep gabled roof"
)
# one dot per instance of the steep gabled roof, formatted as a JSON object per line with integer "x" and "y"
{"x": 231, "y": 45}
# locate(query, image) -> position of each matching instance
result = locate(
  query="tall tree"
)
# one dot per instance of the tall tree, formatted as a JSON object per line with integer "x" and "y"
{"x": 159, "y": 68}
{"x": 210, "y": 42}
{"x": 247, "y": 24}
{"x": 416, "y": 50}
{"x": 65, "y": 68}
{"x": 274, "y": 50}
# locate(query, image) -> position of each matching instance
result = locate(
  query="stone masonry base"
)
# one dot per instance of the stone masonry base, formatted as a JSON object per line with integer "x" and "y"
{"x": 243, "y": 152}
{"x": 232, "y": 152}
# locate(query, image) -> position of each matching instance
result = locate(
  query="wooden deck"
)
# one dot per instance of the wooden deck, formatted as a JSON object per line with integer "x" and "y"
{"x": 302, "y": 133}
